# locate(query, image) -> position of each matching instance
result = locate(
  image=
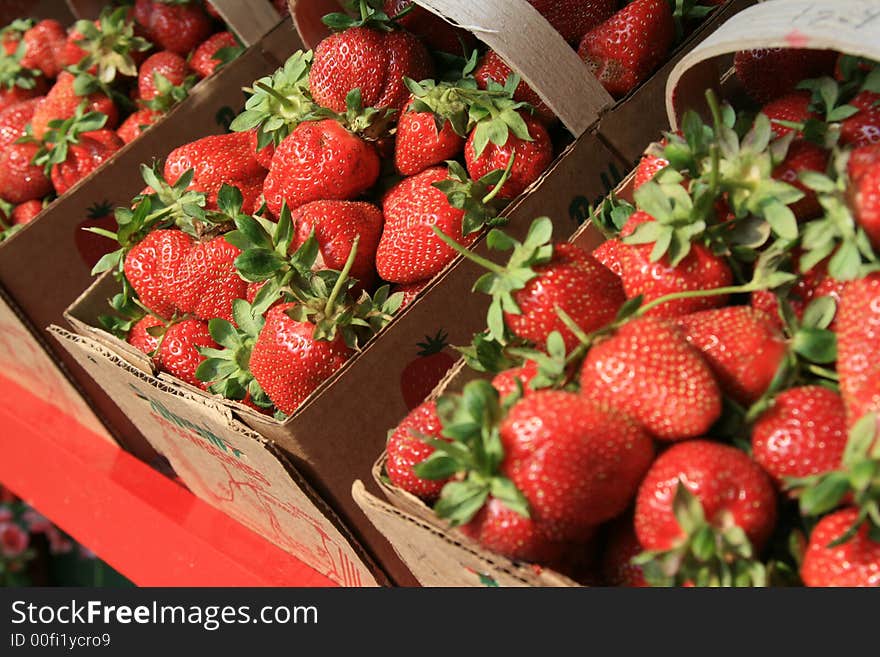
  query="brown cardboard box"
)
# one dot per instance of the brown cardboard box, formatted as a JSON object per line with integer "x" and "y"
{"x": 439, "y": 556}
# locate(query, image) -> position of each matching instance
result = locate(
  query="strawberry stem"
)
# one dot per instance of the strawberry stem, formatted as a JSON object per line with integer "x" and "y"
{"x": 695, "y": 294}
{"x": 491, "y": 195}
{"x": 343, "y": 278}
{"x": 284, "y": 100}
{"x": 473, "y": 257}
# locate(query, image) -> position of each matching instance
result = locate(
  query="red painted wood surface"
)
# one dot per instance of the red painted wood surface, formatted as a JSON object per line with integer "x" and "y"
{"x": 152, "y": 530}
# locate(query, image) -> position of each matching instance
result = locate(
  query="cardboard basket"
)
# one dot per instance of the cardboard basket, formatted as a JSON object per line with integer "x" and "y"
{"x": 334, "y": 436}
{"x": 440, "y": 556}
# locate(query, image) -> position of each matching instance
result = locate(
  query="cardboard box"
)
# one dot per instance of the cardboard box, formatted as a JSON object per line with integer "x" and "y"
{"x": 440, "y": 556}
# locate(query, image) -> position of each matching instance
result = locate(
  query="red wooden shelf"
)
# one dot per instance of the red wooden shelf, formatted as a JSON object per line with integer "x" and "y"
{"x": 147, "y": 527}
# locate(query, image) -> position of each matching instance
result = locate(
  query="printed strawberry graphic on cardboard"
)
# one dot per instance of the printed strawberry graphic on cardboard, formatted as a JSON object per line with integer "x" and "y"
{"x": 89, "y": 245}
{"x": 422, "y": 375}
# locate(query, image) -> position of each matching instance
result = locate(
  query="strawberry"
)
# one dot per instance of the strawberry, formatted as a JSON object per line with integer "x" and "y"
{"x": 154, "y": 268}
{"x": 863, "y": 127}
{"x": 165, "y": 64}
{"x": 14, "y": 120}
{"x": 405, "y": 449}
{"x": 623, "y": 50}
{"x": 140, "y": 338}
{"x": 42, "y": 44}
{"x": 798, "y": 297}
{"x": 864, "y": 173}
{"x": 769, "y": 73}
{"x": 700, "y": 489}
{"x": 494, "y": 69}
{"x": 319, "y": 160}
{"x": 424, "y": 140}
{"x": 213, "y": 53}
{"x": 410, "y": 291}
{"x": 10, "y": 35}
{"x": 793, "y": 107}
{"x": 858, "y": 333}
{"x": 741, "y": 345}
{"x": 648, "y": 370}
{"x": 217, "y": 160}
{"x": 20, "y": 180}
{"x": 574, "y": 18}
{"x": 621, "y": 546}
{"x": 855, "y": 562}
{"x": 209, "y": 282}
{"x": 421, "y": 376}
{"x": 178, "y": 352}
{"x": 506, "y": 382}
{"x": 62, "y": 102}
{"x": 18, "y": 83}
{"x": 178, "y": 27}
{"x": 531, "y": 156}
{"x": 336, "y": 224}
{"x": 134, "y": 126}
{"x": 649, "y": 166}
{"x": 430, "y": 28}
{"x": 803, "y": 156}
{"x": 26, "y": 212}
{"x": 803, "y": 433}
{"x": 370, "y": 59}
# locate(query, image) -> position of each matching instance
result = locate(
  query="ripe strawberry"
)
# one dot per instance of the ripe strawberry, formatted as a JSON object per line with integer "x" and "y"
{"x": 140, "y": 338}
{"x": 421, "y": 143}
{"x": 179, "y": 27}
{"x": 319, "y": 160}
{"x": 854, "y": 563}
{"x": 178, "y": 352}
{"x": 649, "y": 166}
{"x": 26, "y": 212}
{"x": 336, "y": 225}
{"x": 43, "y": 43}
{"x": 506, "y": 382}
{"x": 134, "y": 126}
{"x": 769, "y": 73}
{"x": 14, "y": 95}
{"x": 372, "y": 60}
{"x": 154, "y": 268}
{"x": 62, "y": 102}
{"x": 218, "y": 160}
{"x": 531, "y": 157}
{"x": 167, "y": 64}
{"x": 205, "y": 59}
{"x": 729, "y": 486}
{"x": 89, "y": 152}
{"x": 405, "y": 449}
{"x": 858, "y": 333}
{"x": 622, "y": 51}
{"x": 410, "y": 292}
{"x": 574, "y": 18}
{"x": 422, "y": 375}
{"x": 864, "y": 173}
{"x": 793, "y": 107}
{"x": 430, "y": 28}
{"x": 621, "y": 546}
{"x": 803, "y": 156}
{"x": 20, "y": 180}
{"x": 14, "y": 120}
{"x": 799, "y": 297}
{"x": 493, "y": 68}
{"x": 741, "y": 345}
{"x": 289, "y": 363}
{"x": 862, "y": 128}
{"x": 650, "y": 372}
{"x": 209, "y": 282}
{"x": 803, "y": 433}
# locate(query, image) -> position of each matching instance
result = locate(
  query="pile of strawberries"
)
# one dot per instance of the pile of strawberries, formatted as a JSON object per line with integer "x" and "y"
{"x": 70, "y": 98}
{"x": 697, "y": 402}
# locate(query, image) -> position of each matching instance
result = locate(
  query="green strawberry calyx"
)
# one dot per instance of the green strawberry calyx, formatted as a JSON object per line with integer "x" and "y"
{"x": 13, "y": 74}
{"x": 109, "y": 45}
{"x": 364, "y": 13}
{"x": 64, "y": 132}
{"x": 167, "y": 94}
{"x": 477, "y": 198}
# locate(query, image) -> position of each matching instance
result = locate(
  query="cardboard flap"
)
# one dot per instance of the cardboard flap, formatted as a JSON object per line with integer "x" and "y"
{"x": 249, "y": 20}
{"x": 538, "y": 54}
{"x": 850, "y": 26}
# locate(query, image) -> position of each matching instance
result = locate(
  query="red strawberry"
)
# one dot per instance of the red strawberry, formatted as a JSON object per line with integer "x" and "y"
{"x": 336, "y": 225}
{"x": 371, "y": 60}
{"x": 862, "y": 128}
{"x": 26, "y": 212}
{"x": 140, "y": 339}
{"x": 15, "y": 95}
{"x": 531, "y": 158}
{"x": 493, "y": 68}
{"x": 574, "y": 18}
{"x": 803, "y": 156}
{"x": 154, "y": 268}
{"x": 626, "y": 48}
{"x": 90, "y": 152}
{"x": 178, "y": 27}
{"x": 406, "y": 449}
{"x": 433, "y": 30}
{"x": 864, "y": 172}
{"x": 169, "y": 65}
{"x": 649, "y": 166}
{"x": 621, "y": 546}
{"x": 264, "y": 155}
{"x": 793, "y": 108}
{"x": 803, "y": 433}
{"x": 650, "y": 372}
{"x": 770, "y": 73}
{"x": 13, "y": 121}
{"x": 423, "y": 374}
{"x": 319, "y": 160}
{"x": 799, "y": 297}
{"x": 854, "y": 563}
{"x": 203, "y": 60}
{"x": 858, "y": 334}
{"x": 178, "y": 352}
{"x": 289, "y": 363}
{"x": 506, "y": 382}
{"x": 421, "y": 144}
{"x": 134, "y": 126}
{"x": 410, "y": 292}
{"x": 409, "y": 251}
{"x": 218, "y": 160}
{"x": 209, "y": 282}
{"x": 43, "y": 43}
{"x": 62, "y": 102}
{"x": 20, "y": 180}
{"x": 742, "y": 346}
{"x": 730, "y": 487}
